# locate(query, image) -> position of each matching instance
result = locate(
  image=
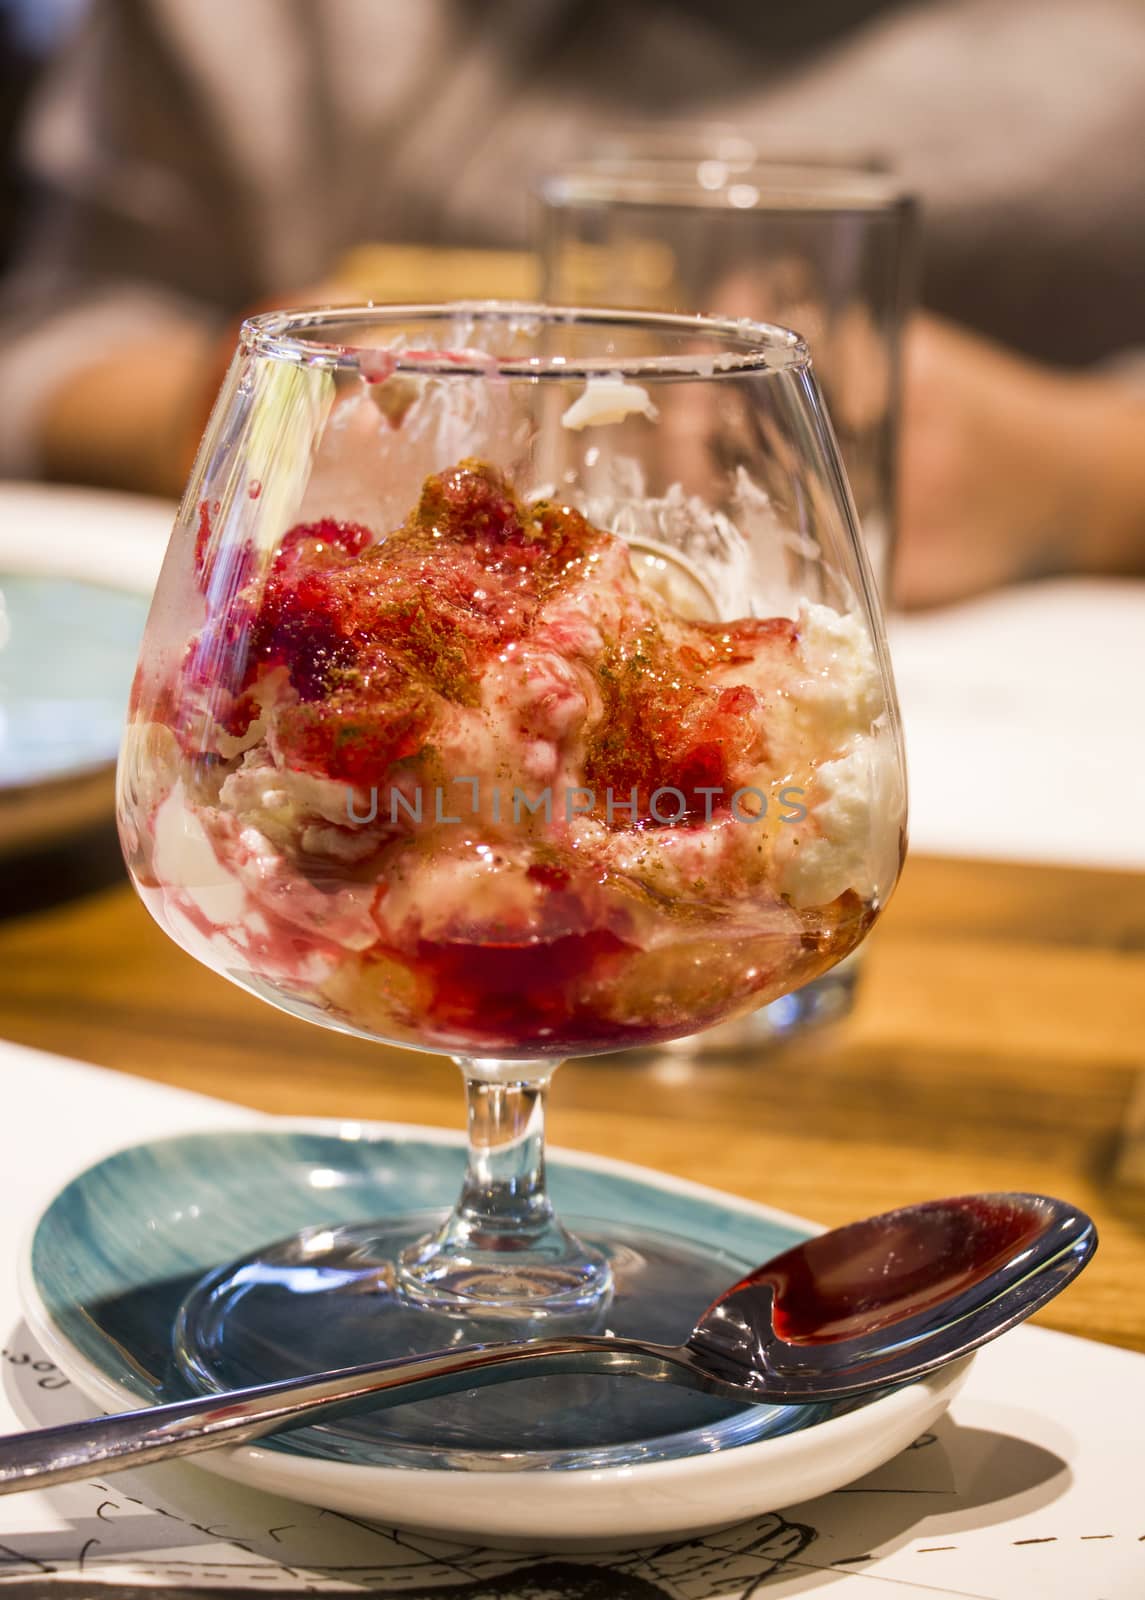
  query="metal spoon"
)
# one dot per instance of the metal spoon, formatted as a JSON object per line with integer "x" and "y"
{"x": 868, "y": 1305}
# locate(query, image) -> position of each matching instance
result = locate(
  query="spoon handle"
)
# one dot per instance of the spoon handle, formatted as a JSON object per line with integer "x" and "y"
{"x": 48, "y": 1456}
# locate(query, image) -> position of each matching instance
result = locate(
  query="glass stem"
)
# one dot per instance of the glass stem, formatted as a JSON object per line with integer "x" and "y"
{"x": 504, "y": 1203}
{"x": 501, "y": 1250}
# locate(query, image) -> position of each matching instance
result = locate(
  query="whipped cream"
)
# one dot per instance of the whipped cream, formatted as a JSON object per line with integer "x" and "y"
{"x": 607, "y": 399}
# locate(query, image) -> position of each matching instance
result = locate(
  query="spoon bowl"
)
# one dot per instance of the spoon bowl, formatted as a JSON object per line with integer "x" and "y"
{"x": 892, "y": 1297}
{"x": 863, "y": 1307}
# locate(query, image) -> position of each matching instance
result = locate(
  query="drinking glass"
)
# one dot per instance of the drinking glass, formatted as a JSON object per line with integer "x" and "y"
{"x": 698, "y": 220}
{"x": 825, "y": 248}
{"x": 514, "y": 688}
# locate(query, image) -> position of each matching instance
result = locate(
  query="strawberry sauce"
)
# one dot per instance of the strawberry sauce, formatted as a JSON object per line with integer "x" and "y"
{"x": 830, "y": 1289}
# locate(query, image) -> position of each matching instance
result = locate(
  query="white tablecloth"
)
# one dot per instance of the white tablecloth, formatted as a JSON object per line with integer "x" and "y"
{"x": 1029, "y": 1490}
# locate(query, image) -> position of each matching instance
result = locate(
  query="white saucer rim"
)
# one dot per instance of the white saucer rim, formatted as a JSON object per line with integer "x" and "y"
{"x": 126, "y": 556}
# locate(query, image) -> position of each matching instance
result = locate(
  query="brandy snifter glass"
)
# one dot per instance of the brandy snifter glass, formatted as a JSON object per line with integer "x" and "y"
{"x": 514, "y": 688}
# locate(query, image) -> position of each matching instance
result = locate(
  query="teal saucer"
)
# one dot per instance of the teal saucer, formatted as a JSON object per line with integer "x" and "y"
{"x": 118, "y": 1249}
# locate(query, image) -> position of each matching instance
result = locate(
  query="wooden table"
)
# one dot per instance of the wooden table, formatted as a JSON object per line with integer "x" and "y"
{"x": 997, "y": 1043}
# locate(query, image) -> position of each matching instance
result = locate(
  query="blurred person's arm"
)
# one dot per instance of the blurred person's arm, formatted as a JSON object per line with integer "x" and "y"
{"x": 129, "y": 419}
{"x": 151, "y": 236}
{"x": 1018, "y": 121}
{"x": 1012, "y": 470}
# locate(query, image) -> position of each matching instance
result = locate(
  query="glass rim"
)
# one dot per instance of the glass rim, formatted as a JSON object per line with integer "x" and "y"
{"x": 739, "y": 345}
{"x": 724, "y": 184}
{"x": 640, "y": 140}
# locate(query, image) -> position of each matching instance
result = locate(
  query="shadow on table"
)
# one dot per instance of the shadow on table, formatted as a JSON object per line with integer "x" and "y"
{"x": 955, "y": 1479}
{"x": 37, "y": 879}
{"x": 180, "y": 1526}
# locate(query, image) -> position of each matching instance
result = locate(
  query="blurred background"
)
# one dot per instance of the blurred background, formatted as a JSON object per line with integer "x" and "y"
{"x": 169, "y": 166}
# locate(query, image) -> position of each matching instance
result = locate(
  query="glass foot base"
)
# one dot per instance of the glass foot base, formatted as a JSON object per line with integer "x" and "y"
{"x": 332, "y": 1297}
{"x": 458, "y": 1270}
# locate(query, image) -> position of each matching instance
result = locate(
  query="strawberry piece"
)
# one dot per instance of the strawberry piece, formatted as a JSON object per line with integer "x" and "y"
{"x": 355, "y": 736}
{"x": 666, "y": 728}
{"x": 472, "y": 504}
{"x": 324, "y": 543}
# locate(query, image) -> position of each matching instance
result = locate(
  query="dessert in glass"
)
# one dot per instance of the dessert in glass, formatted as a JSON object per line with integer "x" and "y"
{"x": 514, "y": 688}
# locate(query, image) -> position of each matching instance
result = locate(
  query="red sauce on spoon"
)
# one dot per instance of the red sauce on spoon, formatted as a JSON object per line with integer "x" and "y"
{"x": 842, "y": 1284}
